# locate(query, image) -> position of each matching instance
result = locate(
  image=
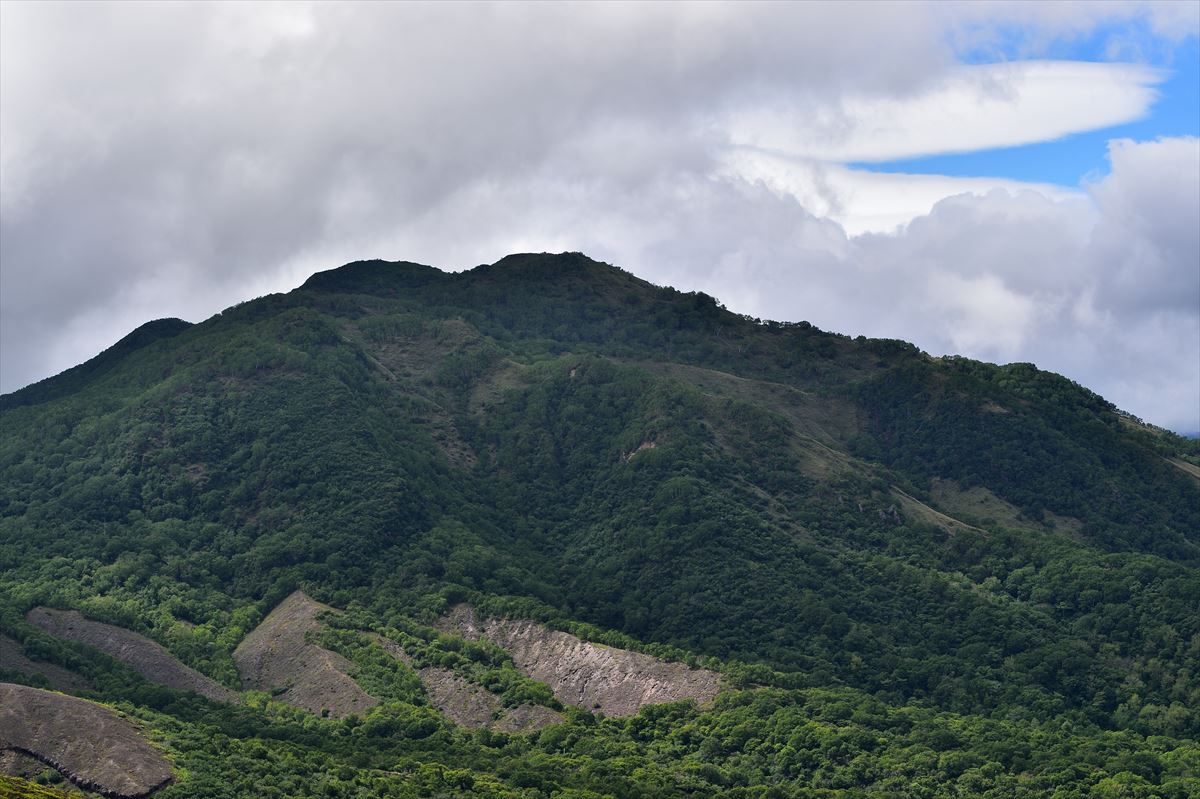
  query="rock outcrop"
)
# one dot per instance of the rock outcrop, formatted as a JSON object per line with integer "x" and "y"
{"x": 276, "y": 655}
{"x": 616, "y": 682}
{"x": 148, "y": 658}
{"x": 88, "y": 743}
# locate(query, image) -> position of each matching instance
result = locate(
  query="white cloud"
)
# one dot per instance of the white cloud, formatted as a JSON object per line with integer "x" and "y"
{"x": 969, "y": 108}
{"x": 862, "y": 201}
{"x": 982, "y": 315}
{"x": 1151, "y": 246}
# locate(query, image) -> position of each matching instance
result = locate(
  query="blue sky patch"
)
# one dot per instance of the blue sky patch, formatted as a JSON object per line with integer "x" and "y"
{"x": 1072, "y": 159}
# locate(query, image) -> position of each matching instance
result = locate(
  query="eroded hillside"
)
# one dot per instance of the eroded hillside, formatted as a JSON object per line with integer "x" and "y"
{"x": 470, "y": 705}
{"x": 89, "y": 744}
{"x": 277, "y": 656}
{"x": 613, "y": 681}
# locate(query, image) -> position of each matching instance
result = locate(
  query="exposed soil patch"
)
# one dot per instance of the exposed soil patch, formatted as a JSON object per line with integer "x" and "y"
{"x": 276, "y": 655}
{"x": 146, "y": 657}
{"x": 12, "y": 657}
{"x": 90, "y": 744}
{"x": 460, "y": 701}
{"x": 647, "y": 444}
{"x": 470, "y": 705}
{"x": 616, "y": 682}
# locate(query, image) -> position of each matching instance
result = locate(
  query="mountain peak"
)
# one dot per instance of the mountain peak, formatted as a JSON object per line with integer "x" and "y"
{"x": 549, "y": 262}
{"x": 568, "y": 274}
{"x": 373, "y": 276}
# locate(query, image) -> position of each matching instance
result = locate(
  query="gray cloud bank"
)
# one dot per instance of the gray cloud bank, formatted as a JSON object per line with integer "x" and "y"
{"x": 170, "y": 160}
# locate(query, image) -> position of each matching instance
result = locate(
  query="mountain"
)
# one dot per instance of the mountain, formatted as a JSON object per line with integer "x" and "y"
{"x": 907, "y": 576}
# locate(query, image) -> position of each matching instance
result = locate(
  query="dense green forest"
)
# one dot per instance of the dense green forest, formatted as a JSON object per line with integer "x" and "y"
{"x": 921, "y": 577}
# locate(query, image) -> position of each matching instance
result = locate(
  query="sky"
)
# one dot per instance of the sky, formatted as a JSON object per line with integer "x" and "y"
{"x": 1006, "y": 181}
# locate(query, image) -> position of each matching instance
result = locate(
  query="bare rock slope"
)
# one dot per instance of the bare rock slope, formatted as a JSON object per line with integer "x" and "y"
{"x": 277, "y": 656}
{"x": 146, "y": 657}
{"x": 90, "y": 744}
{"x": 470, "y": 705}
{"x": 614, "y": 681}
{"x": 13, "y": 658}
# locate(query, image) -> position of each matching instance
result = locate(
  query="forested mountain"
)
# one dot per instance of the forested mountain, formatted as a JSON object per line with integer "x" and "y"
{"x": 915, "y": 576}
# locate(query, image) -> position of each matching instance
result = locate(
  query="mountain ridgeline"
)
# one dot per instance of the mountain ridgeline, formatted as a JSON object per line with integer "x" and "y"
{"x": 914, "y": 576}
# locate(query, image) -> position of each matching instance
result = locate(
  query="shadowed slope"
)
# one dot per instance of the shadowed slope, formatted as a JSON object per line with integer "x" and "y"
{"x": 147, "y": 658}
{"x": 12, "y": 657}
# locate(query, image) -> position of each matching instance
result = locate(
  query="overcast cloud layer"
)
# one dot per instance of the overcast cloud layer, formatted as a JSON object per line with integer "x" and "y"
{"x": 171, "y": 160}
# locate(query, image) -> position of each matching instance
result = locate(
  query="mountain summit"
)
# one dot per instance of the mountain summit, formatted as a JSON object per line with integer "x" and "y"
{"x": 865, "y": 567}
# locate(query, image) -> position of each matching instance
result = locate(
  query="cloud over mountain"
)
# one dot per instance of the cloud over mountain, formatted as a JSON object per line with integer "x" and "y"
{"x": 173, "y": 160}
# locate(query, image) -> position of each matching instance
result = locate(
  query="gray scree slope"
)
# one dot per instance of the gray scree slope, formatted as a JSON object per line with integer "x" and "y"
{"x": 614, "y": 681}
{"x": 276, "y": 655}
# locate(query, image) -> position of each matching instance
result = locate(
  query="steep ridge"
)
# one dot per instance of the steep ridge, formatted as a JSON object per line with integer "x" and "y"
{"x": 276, "y": 655}
{"x": 146, "y": 657}
{"x": 616, "y": 682}
{"x": 78, "y": 377}
{"x": 468, "y": 704}
{"x": 90, "y": 744}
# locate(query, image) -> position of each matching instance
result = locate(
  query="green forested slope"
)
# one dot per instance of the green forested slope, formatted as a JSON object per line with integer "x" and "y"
{"x": 927, "y": 577}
